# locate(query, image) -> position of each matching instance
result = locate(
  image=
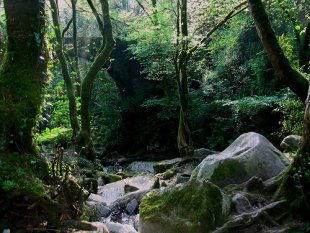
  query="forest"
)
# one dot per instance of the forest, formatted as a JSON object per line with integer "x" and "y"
{"x": 155, "y": 116}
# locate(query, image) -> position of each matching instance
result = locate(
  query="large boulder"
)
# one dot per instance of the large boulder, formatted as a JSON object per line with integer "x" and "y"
{"x": 291, "y": 143}
{"x": 195, "y": 207}
{"x": 249, "y": 155}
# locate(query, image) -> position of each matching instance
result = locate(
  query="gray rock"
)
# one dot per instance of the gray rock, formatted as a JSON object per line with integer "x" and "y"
{"x": 102, "y": 210}
{"x": 241, "y": 203}
{"x": 136, "y": 222}
{"x": 182, "y": 178}
{"x": 249, "y": 155}
{"x": 95, "y": 198}
{"x": 92, "y": 227}
{"x": 203, "y": 152}
{"x": 291, "y": 143}
{"x": 164, "y": 165}
{"x": 139, "y": 167}
{"x": 132, "y": 206}
{"x": 120, "y": 228}
{"x": 115, "y": 192}
{"x": 6, "y": 231}
{"x": 196, "y": 207}
{"x": 129, "y": 189}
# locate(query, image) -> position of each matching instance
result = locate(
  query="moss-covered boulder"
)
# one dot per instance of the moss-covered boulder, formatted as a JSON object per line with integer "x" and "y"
{"x": 249, "y": 155}
{"x": 195, "y": 207}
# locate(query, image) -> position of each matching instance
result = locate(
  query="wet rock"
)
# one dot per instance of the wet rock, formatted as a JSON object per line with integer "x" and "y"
{"x": 164, "y": 165}
{"x": 136, "y": 222}
{"x": 132, "y": 206}
{"x": 102, "y": 210}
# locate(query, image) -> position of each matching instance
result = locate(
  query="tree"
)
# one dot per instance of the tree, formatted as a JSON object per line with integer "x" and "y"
{"x": 23, "y": 74}
{"x": 183, "y": 54}
{"x": 83, "y": 133}
{"x": 64, "y": 68}
{"x": 102, "y": 57}
{"x": 295, "y": 80}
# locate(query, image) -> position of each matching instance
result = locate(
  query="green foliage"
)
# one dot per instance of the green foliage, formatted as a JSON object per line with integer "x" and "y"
{"x": 105, "y": 110}
{"x": 18, "y": 175}
{"x": 230, "y": 118}
{"x": 54, "y": 136}
{"x": 293, "y": 115}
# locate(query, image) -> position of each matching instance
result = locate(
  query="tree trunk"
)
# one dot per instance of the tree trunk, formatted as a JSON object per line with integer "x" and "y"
{"x": 64, "y": 68}
{"x": 88, "y": 82}
{"x": 184, "y": 140}
{"x": 286, "y": 72}
{"x": 293, "y": 79}
{"x": 23, "y": 74}
{"x": 75, "y": 48}
{"x": 304, "y": 59}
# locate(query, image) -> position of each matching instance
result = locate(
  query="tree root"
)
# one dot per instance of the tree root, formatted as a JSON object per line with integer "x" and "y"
{"x": 249, "y": 218}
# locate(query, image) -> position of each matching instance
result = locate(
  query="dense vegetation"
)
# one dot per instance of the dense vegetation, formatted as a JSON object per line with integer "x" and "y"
{"x": 84, "y": 83}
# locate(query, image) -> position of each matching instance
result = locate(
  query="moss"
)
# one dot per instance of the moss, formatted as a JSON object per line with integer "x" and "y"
{"x": 161, "y": 167}
{"x": 110, "y": 178}
{"x": 167, "y": 174}
{"x": 19, "y": 175}
{"x": 229, "y": 172}
{"x": 197, "y": 206}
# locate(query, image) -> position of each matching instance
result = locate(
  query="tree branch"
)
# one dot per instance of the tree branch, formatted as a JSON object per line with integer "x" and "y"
{"x": 95, "y": 12}
{"x": 235, "y": 11}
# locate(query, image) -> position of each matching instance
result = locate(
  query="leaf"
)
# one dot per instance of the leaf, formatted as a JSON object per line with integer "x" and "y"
{"x": 297, "y": 27}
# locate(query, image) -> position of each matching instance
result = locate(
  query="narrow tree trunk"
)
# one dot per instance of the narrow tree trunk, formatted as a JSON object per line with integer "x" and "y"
{"x": 184, "y": 140}
{"x": 304, "y": 59}
{"x": 293, "y": 79}
{"x": 64, "y": 68}
{"x": 76, "y": 58}
{"x": 88, "y": 82}
{"x": 23, "y": 74}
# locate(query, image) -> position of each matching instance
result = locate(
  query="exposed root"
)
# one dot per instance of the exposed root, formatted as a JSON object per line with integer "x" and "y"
{"x": 249, "y": 218}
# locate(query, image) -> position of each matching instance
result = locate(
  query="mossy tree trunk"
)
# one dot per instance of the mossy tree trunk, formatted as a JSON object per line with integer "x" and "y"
{"x": 184, "y": 140}
{"x": 293, "y": 79}
{"x": 23, "y": 74}
{"x": 64, "y": 68}
{"x": 88, "y": 81}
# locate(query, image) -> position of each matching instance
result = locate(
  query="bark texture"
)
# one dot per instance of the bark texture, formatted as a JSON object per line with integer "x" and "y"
{"x": 64, "y": 69}
{"x": 23, "y": 74}
{"x": 184, "y": 140}
{"x": 293, "y": 79}
{"x": 88, "y": 81}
